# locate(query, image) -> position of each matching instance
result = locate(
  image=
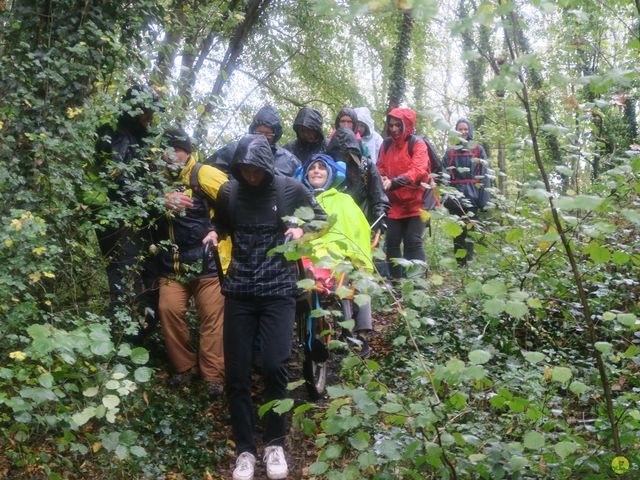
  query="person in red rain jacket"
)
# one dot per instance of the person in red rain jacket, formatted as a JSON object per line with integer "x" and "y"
{"x": 401, "y": 176}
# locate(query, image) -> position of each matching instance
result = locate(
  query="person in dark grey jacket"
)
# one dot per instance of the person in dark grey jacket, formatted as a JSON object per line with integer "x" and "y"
{"x": 310, "y": 137}
{"x": 122, "y": 154}
{"x": 259, "y": 292}
{"x": 363, "y": 181}
{"x": 266, "y": 122}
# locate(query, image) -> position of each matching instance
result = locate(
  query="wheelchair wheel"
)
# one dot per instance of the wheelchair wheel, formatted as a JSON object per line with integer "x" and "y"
{"x": 316, "y": 355}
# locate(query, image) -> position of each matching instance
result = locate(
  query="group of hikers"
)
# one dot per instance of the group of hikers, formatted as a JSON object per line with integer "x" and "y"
{"x": 241, "y": 201}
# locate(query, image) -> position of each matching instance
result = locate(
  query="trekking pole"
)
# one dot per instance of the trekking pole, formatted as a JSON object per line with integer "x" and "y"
{"x": 210, "y": 251}
{"x": 376, "y": 238}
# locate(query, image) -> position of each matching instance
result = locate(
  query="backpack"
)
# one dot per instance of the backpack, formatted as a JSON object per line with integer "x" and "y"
{"x": 475, "y": 153}
{"x": 430, "y": 198}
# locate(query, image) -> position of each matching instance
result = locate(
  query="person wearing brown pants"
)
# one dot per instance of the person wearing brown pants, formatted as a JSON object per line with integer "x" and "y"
{"x": 183, "y": 274}
{"x": 174, "y": 301}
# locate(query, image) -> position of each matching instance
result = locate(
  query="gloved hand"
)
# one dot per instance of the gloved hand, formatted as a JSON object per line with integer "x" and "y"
{"x": 381, "y": 227}
{"x": 400, "y": 181}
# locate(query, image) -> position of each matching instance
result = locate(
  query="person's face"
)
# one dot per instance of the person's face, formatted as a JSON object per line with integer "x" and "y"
{"x": 346, "y": 122}
{"x": 266, "y": 131}
{"x": 395, "y": 127}
{"x": 145, "y": 119}
{"x": 317, "y": 175}
{"x": 252, "y": 175}
{"x": 308, "y": 135}
{"x": 361, "y": 128}
{"x": 463, "y": 130}
{"x": 175, "y": 156}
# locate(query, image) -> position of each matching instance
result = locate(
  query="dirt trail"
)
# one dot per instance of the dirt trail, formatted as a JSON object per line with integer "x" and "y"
{"x": 300, "y": 450}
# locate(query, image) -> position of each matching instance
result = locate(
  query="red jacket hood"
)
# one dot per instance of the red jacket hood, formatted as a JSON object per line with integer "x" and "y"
{"x": 408, "y": 118}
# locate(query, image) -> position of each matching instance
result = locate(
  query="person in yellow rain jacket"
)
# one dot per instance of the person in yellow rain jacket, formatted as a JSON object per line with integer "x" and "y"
{"x": 349, "y": 235}
{"x": 182, "y": 271}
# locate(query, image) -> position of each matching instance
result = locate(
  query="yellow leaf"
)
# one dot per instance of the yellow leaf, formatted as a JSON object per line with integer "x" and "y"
{"x": 39, "y": 250}
{"x": 547, "y": 373}
{"x": 49, "y": 274}
{"x": 96, "y": 446}
{"x": 16, "y": 224}
{"x": 8, "y": 243}
{"x": 35, "y": 277}
{"x": 47, "y": 303}
{"x": 18, "y": 355}
{"x": 542, "y": 246}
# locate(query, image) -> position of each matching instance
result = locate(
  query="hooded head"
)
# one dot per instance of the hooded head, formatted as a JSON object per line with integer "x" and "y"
{"x": 268, "y": 117}
{"x": 469, "y": 128}
{"x": 253, "y": 151}
{"x": 310, "y": 119}
{"x": 344, "y": 146}
{"x": 365, "y": 118}
{"x": 139, "y": 104}
{"x": 351, "y": 114}
{"x": 408, "y": 119}
{"x": 336, "y": 172}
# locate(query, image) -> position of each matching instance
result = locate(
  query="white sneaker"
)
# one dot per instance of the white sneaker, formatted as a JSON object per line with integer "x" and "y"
{"x": 245, "y": 465}
{"x": 276, "y": 463}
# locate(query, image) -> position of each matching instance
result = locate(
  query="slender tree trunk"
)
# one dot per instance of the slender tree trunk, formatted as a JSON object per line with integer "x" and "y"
{"x": 188, "y": 75}
{"x": 566, "y": 243}
{"x": 230, "y": 61}
{"x": 543, "y": 106}
{"x": 398, "y": 83}
{"x": 502, "y": 167}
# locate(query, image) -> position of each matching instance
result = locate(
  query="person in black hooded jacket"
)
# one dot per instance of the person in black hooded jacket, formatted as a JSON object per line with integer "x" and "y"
{"x": 266, "y": 122}
{"x": 123, "y": 152}
{"x": 310, "y": 137}
{"x": 259, "y": 293}
{"x": 362, "y": 181}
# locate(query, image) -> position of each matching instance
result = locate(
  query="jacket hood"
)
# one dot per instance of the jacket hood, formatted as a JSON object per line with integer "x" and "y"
{"x": 348, "y": 112}
{"x": 337, "y": 171}
{"x": 137, "y": 100}
{"x": 267, "y": 116}
{"x": 253, "y": 150}
{"x": 343, "y": 143}
{"x": 310, "y": 118}
{"x": 469, "y": 126}
{"x": 408, "y": 118}
{"x": 364, "y": 116}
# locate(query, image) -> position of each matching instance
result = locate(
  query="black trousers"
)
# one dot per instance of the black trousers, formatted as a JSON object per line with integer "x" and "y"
{"x": 131, "y": 280}
{"x": 462, "y": 241}
{"x": 271, "y": 320}
{"x": 406, "y": 231}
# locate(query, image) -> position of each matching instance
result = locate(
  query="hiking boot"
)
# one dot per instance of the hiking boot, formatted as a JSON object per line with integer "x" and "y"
{"x": 180, "y": 379}
{"x": 245, "y": 465}
{"x": 275, "y": 462}
{"x": 214, "y": 390}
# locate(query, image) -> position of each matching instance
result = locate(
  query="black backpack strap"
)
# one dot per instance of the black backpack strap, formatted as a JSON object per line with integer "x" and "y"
{"x": 413, "y": 139}
{"x": 386, "y": 143}
{"x": 233, "y": 200}
{"x": 279, "y": 184}
{"x": 194, "y": 184}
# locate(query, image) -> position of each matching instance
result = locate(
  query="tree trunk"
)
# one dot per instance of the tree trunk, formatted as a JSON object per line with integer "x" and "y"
{"x": 543, "y": 106}
{"x": 398, "y": 83}
{"x": 230, "y": 61}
